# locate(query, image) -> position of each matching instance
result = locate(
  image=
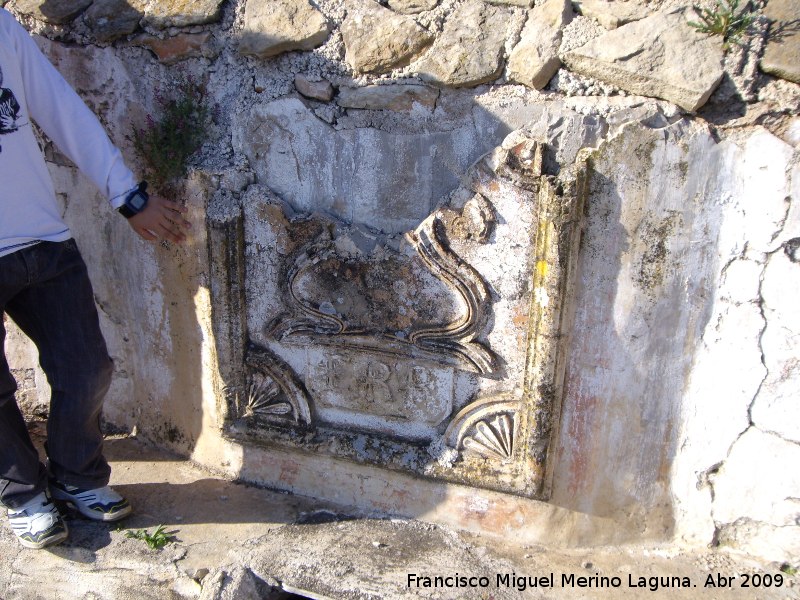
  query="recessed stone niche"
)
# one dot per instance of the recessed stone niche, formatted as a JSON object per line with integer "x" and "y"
{"x": 437, "y": 351}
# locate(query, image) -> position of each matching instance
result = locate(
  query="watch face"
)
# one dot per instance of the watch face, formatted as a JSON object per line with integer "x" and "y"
{"x": 137, "y": 202}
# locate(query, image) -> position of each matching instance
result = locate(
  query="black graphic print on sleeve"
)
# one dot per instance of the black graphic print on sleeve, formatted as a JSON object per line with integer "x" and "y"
{"x": 9, "y": 110}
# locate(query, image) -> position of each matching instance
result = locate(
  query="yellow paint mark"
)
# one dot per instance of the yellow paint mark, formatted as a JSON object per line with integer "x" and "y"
{"x": 541, "y": 268}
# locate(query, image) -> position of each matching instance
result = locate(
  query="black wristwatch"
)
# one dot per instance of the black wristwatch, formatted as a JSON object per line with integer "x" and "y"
{"x": 135, "y": 201}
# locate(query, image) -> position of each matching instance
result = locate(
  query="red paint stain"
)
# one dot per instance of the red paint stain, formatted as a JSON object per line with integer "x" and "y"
{"x": 579, "y": 433}
{"x": 289, "y": 472}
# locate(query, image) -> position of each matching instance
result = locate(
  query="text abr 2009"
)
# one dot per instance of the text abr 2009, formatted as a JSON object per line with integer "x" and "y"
{"x": 747, "y": 580}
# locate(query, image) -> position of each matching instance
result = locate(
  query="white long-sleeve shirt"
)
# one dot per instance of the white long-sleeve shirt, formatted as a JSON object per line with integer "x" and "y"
{"x": 31, "y": 88}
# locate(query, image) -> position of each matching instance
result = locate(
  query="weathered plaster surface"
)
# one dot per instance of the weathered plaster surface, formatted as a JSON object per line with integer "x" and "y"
{"x": 671, "y": 326}
{"x": 642, "y": 300}
{"x": 728, "y": 464}
{"x": 682, "y": 373}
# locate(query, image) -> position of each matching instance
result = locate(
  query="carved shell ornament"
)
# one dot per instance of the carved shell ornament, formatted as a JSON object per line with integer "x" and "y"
{"x": 492, "y": 439}
{"x": 274, "y": 391}
{"x": 263, "y": 398}
{"x": 487, "y": 427}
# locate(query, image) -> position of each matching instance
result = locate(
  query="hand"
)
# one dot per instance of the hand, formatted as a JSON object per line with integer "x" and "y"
{"x": 161, "y": 219}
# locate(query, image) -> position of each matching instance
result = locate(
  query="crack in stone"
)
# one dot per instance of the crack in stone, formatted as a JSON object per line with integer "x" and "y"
{"x": 727, "y": 265}
{"x": 782, "y": 223}
{"x": 707, "y": 476}
{"x": 760, "y": 303}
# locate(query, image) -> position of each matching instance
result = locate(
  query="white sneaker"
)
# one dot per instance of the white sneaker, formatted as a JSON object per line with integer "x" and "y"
{"x": 99, "y": 504}
{"x": 38, "y": 523}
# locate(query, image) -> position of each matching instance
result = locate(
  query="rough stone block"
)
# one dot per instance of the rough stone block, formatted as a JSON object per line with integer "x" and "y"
{"x": 520, "y": 3}
{"x": 180, "y": 13}
{"x": 534, "y": 60}
{"x": 112, "y": 19}
{"x": 389, "y": 97}
{"x": 316, "y": 90}
{"x": 274, "y": 27}
{"x": 180, "y": 47}
{"x": 377, "y": 40}
{"x": 470, "y": 49}
{"x": 53, "y": 11}
{"x": 408, "y": 7}
{"x": 660, "y": 56}
{"x": 611, "y": 14}
{"x": 782, "y": 54}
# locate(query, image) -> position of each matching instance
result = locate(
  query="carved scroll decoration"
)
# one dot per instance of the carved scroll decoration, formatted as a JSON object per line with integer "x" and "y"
{"x": 360, "y": 314}
{"x": 458, "y": 337}
{"x": 452, "y": 342}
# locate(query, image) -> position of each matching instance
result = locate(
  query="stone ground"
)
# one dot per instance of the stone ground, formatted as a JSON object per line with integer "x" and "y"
{"x": 232, "y": 541}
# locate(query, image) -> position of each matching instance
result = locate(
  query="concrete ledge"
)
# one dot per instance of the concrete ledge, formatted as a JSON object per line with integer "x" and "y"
{"x": 235, "y": 542}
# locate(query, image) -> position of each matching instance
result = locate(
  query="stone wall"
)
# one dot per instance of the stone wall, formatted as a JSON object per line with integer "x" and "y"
{"x": 679, "y": 368}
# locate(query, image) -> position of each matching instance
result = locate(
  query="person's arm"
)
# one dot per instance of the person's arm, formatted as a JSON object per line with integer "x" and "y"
{"x": 66, "y": 120}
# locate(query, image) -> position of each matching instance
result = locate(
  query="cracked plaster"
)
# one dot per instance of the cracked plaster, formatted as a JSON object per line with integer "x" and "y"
{"x": 736, "y": 474}
{"x": 742, "y": 180}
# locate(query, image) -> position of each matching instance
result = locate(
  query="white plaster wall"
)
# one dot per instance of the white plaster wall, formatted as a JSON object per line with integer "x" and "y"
{"x": 33, "y": 393}
{"x": 679, "y": 412}
{"x": 641, "y": 300}
{"x": 681, "y": 386}
{"x": 735, "y": 478}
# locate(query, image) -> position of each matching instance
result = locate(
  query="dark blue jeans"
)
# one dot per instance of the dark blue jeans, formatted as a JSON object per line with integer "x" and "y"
{"x": 45, "y": 290}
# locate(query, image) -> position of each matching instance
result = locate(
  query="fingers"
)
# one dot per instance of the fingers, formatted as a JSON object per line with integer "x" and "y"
{"x": 172, "y": 226}
{"x": 171, "y": 232}
{"x": 145, "y": 234}
{"x": 175, "y": 206}
{"x": 178, "y": 221}
{"x": 161, "y": 219}
{"x": 172, "y": 217}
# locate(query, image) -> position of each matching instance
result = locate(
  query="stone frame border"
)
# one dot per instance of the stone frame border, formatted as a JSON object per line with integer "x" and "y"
{"x": 496, "y": 442}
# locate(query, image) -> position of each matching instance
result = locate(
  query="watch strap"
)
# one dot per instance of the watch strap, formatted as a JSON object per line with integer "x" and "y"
{"x": 128, "y": 208}
{"x": 126, "y": 211}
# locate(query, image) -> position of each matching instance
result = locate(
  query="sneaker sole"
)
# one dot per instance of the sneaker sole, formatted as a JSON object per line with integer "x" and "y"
{"x": 51, "y": 541}
{"x": 88, "y": 513}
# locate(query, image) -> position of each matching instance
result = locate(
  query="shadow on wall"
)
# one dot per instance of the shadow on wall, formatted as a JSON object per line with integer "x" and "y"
{"x": 387, "y": 173}
{"x": 156, "y": 301}
{"x": 108, "y": 20}
{"x": 645, "y": 294}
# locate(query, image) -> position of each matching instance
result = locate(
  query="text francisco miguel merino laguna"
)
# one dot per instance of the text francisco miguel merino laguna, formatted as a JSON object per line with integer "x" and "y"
{"x": 567, "y": 580}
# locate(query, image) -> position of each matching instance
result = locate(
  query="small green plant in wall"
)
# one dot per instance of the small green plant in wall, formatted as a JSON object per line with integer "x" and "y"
{"x": 172, "y": 136}
{"x": 156, "y": 540}
{"x": 725, "y": 20}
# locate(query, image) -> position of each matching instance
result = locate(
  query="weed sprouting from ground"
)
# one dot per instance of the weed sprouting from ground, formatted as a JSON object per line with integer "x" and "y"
{"x": 725, "y": 20}
{"x": 156, "y": 540}
{"x": 170, "y": 138}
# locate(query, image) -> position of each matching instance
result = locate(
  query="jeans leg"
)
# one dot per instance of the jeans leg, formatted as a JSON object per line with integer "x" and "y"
{"x": 22, "y": 475}
{"x": 58, "y": 313}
